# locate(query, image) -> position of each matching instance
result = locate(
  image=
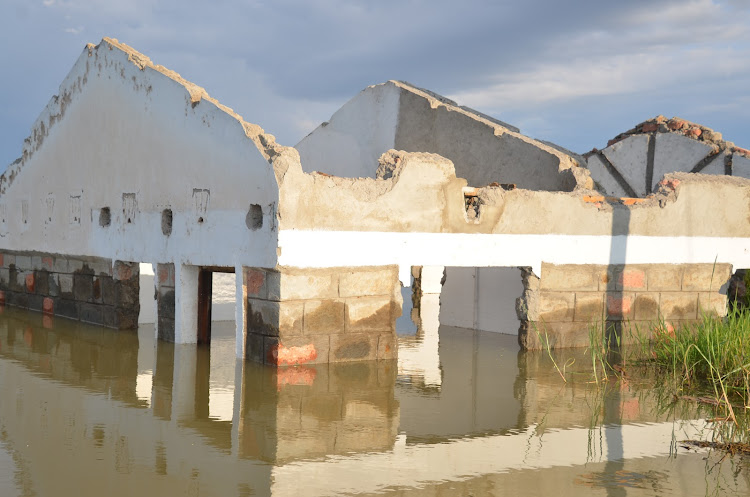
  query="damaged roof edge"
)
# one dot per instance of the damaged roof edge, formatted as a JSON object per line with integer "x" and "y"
{"x": 54, "y": 110}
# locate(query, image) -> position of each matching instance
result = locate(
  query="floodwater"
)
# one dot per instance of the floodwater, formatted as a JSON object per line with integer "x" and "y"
{"x": 86, "y": 411}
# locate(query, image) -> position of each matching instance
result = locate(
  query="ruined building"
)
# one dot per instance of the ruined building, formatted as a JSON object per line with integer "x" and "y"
{"x": 132, "y": 164}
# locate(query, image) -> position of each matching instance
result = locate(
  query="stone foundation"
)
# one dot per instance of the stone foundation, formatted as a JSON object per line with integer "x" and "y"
{"x": 88, "y": 289}
{"x": 568, "y": 299}
{"x": 297, "y": 316}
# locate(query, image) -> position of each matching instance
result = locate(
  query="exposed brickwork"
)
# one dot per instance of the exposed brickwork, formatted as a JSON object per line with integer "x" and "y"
{"x": 82, "y": 288}
{"x": 568, "y": 299}
{"x": 326, "y": 315}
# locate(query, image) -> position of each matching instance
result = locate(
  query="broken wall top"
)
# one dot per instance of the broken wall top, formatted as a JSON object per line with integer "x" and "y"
{"x": 397, "y": 115}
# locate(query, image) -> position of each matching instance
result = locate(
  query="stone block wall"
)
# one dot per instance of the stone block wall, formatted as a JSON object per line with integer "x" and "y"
{"x": 568, "y": 299}
{"x": 89, "y": 289}
{"x": 341, "y": 314}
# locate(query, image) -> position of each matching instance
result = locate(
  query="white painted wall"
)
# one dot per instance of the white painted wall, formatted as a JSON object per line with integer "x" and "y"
{"x": 350, "y": 144}
{"x": 481, "y": 298}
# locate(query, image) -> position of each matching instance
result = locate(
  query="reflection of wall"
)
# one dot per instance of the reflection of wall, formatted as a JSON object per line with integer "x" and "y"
{"x": 476, "y": 394}
{"x": 482, "y": 298}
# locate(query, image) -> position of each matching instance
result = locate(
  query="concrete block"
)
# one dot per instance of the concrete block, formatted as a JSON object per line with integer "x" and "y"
{"x": 664, "y": 277}
{"x": 712, "y": 303}
{"x": 740, "y": 166}
{"x": 569, "y": 277}
{"x": 705, "y": 277}
{"x": 47, "y": 263}
{"x": 676, "y": 152}
{"x": 356, "y": 283}
{"x": 41, "y": 282}
{"x": 354, "y": 347}
{"x": 556, "y": 306}
{"x": 53, "y": 285}
{"x": 23, "y": 262}
{"x": 589, "y": 306}
{"x": 108, "y": 290}
{"x": 630, "y": 157}
{"x": 387, "y": 346}
{"x": 324, "y": 316}
{"x": 646, "y": 306}
{"x": 679, "y": 305}
{"x": 291, "y": 318}
{"x": 369, "y": 314}
{"x": 35, "y": 302}
{"x": 312, "y": 284}
{"x": 60, "y": 265}
{"x": 165, "y": 329}
{"x": 100, "y": 266}
{"x": 601, "y": 175}
{"x": 262, "y": 317}
{"x": 66, "y": 308}
{"x": 296, "y": 350}
{"x": 4, "y": 277}
{"x": 620, "y": 306}
{"x": 631, "y": 279}
{"x": 534, "y": 335}
{"x": 83, "y": 287}
{"x": 9, "y": 260}
{"x": 36, "y": 262}
{"x": 255, "y": 283}
{"x": 74, "y": 265}
{"x": 91, "y": 313}
{"x": 254, "y": 347}
{"x": 126, "y": 318}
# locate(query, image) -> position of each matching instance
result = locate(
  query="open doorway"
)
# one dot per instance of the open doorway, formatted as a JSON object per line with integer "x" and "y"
{"x": 216, "y": 300}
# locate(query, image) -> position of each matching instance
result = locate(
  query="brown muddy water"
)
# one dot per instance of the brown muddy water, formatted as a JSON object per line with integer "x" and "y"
{"x": 86, "y": 411}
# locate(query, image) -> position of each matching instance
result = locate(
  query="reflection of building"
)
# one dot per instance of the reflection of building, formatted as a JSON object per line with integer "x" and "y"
{"x": 78, "y": 414}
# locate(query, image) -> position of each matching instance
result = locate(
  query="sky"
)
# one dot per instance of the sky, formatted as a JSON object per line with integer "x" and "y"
{"x": 575, "y": 73}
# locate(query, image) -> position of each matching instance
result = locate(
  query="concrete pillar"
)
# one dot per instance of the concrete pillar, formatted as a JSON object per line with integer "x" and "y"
{"x": 304, "y": 315}
{"x": 240, "y": 310}
{"x": 186, "y": 304}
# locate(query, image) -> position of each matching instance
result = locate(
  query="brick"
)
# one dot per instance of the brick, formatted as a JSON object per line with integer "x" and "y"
{"x": 354, "y": 347}
{"x": 29, "y": 280}
{"x": 355, "y": 283}
{"x": 712, "y": 303}
{"x": 296, "y": 350}
{"x": 556, "y": 306}
{"x": 646, "y": 306}
{"x": 315, "y": 284}
{"x": 650, "y": 127}
{"x": 620, "y": 306}
{"x": 589, "y": 306}
{"x": 679, "y": 305}
{"x": 48, "y": 307}
{"x": 665, "y": 278}
{"x": 369, "y": 314}
{"x": 632, "y": 279}
{"x": 568, "y": 277}
{"x": 705, "y": 277}
{"x": 324, "y": 316}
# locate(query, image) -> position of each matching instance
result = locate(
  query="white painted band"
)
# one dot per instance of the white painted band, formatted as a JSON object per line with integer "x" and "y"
{"x": 307, "y": 248}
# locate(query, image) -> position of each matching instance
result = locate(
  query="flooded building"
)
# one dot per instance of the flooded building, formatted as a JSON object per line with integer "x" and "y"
{"x": 130, "y": 164}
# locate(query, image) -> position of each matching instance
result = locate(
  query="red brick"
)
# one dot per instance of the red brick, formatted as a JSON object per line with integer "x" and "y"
{"x": 254, "y": 280}
{"x": 619, "y": 306}
{"x": 694, "y": 131}
{"x": 48, "y": 306}
{"x": 47, "y": 263}
{"x": 30, "y": 283}
{"x": 650, "y": 127}
{"x": 632, "y": 279}
{"x": 676, "y": 124}
{"x": 280, "y": 355}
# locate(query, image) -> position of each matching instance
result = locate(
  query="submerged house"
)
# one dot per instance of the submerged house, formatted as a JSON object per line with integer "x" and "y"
{"x": 132, "y": 164}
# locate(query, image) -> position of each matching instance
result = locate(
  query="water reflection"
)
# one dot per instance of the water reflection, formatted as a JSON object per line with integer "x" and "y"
{"x": 86, "y": 411}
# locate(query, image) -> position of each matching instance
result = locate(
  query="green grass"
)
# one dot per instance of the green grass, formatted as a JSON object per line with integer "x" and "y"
{"x": 712, "y": 354}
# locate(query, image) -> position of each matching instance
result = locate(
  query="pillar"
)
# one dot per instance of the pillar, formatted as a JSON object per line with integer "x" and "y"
{"x": 321, "y": 315}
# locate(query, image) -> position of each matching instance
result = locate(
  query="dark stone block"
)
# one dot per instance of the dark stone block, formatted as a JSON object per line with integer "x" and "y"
{"x": 53, "y": 289}
{"x": 18, "y": 299}
{"x": 165, "y": 304}
{"x": 109, "y": 316}
{"x": 35, "y": 302}
{"x": 83, "y": 287}
{"x": 108, "y": 290}
{"x": 91, "y": 313}
{"x": 41, "y": 282}
{"x": 166, "y": 329}
{"x": 66, "y": 308}
{"x": 126, "y": 319}
{"x": 13, "y": 283}
{"x": 127, "y": 292}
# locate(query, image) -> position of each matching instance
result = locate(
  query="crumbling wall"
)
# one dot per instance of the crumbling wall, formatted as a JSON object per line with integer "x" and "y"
{"x": 634, "y": 162}
{"x": 400, "y": 116}
{"x": 87, "y": 289}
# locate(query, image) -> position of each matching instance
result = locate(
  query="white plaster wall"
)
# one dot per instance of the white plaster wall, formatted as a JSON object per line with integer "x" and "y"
{"x": 127, "y": 130}
{"x": 481, "y": 298}
{"x": 350, "y": 144}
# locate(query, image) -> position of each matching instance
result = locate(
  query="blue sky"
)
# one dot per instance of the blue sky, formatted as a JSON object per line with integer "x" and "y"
{"x": 575, "y": 73}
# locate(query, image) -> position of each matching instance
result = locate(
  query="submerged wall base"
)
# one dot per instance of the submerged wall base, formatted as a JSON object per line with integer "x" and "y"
{"x": 326, "y": 315}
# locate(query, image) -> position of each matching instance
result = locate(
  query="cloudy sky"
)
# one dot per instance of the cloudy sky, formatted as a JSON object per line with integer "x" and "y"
{"x": 572, "y": 72}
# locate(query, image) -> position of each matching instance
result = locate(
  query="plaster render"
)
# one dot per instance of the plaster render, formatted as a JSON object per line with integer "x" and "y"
{"x": 398, "y": 115}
